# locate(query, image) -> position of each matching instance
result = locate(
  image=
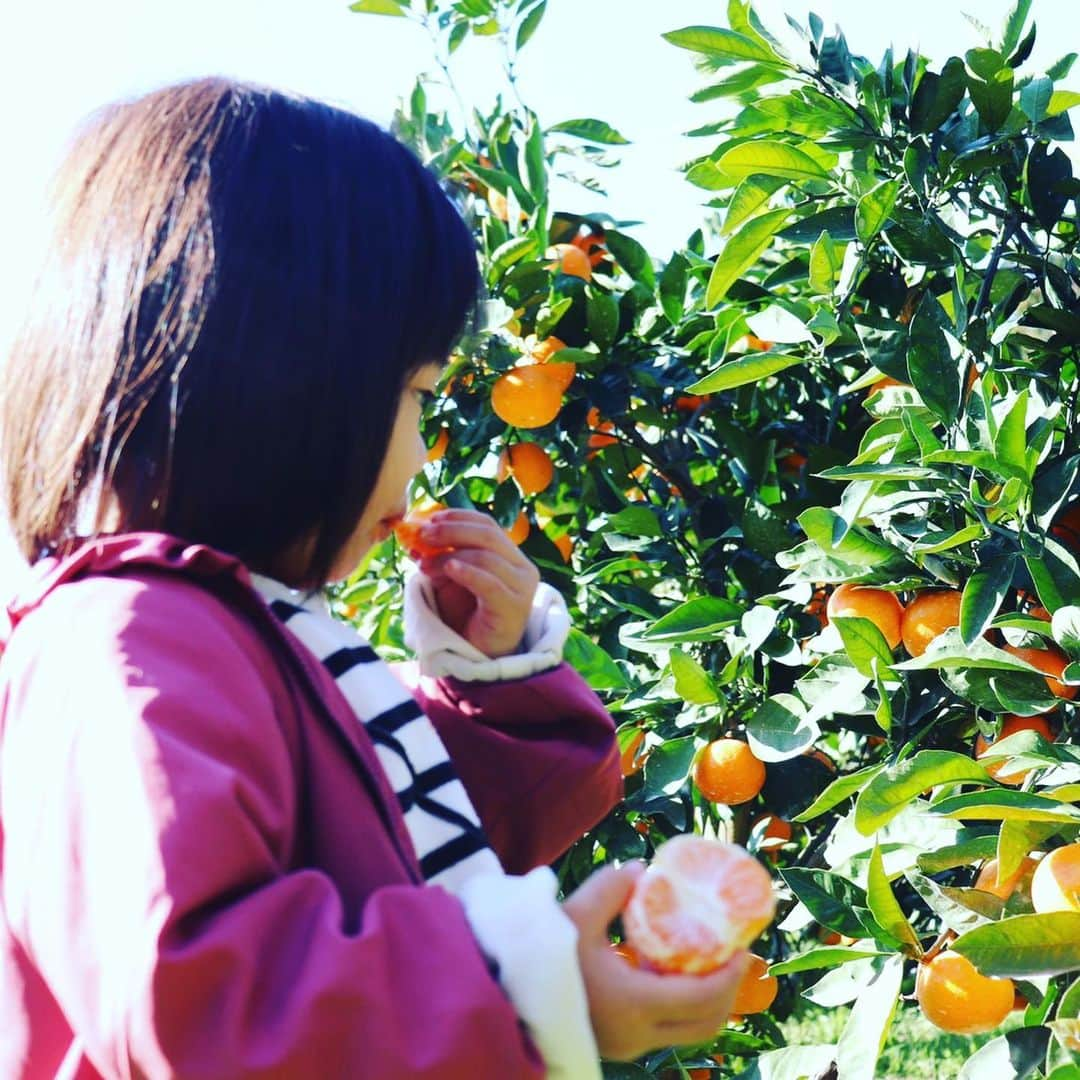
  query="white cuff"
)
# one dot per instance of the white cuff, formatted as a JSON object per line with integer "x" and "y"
{"x": 519, "y": 924}
{"x": 443, "y": 652}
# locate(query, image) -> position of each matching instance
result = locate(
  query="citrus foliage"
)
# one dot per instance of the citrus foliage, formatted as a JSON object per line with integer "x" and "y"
{"x": 861, "y": 371}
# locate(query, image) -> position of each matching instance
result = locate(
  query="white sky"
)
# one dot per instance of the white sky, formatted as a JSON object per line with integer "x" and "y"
{"x": 59, "y": 59}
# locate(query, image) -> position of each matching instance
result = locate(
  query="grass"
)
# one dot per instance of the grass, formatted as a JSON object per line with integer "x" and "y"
{"x": 914, "y": 1048}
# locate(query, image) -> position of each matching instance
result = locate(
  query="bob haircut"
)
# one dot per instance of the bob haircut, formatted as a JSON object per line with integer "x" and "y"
{"x": 239, "y": 286}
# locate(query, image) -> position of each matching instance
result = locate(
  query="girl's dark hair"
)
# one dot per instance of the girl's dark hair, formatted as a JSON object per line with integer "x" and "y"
{"x": 240, "y": 284}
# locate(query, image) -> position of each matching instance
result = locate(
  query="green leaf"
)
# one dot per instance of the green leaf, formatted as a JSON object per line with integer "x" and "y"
{"x": 982, "y": 597}
{"x": 873, "y": 209}
{"x": 673, "y": 288}
{"x": 1035, "y": 98}
{"x": 768, "y": 158}
{"x": 668, "y": 766}
{"x": 594, "y": 665}
{"x": 964, "y": 853}
{"x": 864, "y": 644}
{"x": 1056, "y": 576}
{"x": 747, "y": 369}
{"x": 635, "y": 521}
{"x": 1024, "y": 945}
{"x": 379, "y": 7}
{"x": 1014, "y": 26}
{"x": 1000, "y": 805}
{"x": 741, "y": 252}
{"x": 692, "y": 681}
{"x": 1016, "y": 1055}
{"x": 884, "y": 906}
{"x": 828, "y": 957}
{"x": 751, "y": 194}
{"x": 722, "y": 44}
{"x": 829, "y": 897}
{"x": 993, "y": 98}
{"x": 937, "y": 96}
{"x": 843, "y": 787}
{"x": 631, "y": 256}
{"x": 602, "y": 315}
{"x": 779, "y": 729}
{"x": 700, "y": 619}
{"x": 892, "y": 789}
{"x": 1062, "y": 100}
{"x": 825, "y": 262}
{"x": 1045, "y": 175}
{"x": 856, "y": 546}
{"x": 590, "y": 130}
{"x": 949, "y": 651}
{"x": 529, "y": 24}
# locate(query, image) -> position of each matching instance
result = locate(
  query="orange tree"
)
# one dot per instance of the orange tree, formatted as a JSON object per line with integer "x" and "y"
{"x": 814, "y": 489}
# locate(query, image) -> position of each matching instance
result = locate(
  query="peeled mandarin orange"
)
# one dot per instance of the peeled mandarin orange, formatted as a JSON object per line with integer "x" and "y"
{"x": 880, "y": 606}
{"x": 932, "y": 612}
{"x": 1010, "y": 726}
{"x": 1051, "y": 662}
{"x": 1055, "y": 885}
{"x": 726, "y": 771}
{"x": 757, "y": 988}
{"x": 529, "y": 465}
{"x": 527, "y": 397}
{"x": 409, "y": 529}
{"x": 956, "y": 997}
{"x": 700, "y": 901}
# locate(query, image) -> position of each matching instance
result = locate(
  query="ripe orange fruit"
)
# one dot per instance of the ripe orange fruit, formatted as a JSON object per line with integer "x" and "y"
{"x": 544, "y": 350}
{"x": 880, "y": 606}
{"x": 987, "y": 879}
{"x": 630, "y": 759}
{"x": 756, "y": 344}
{"x": 438, "y": 448}
{"x": 593, "y": 245}
{"x": 882, "y": 383}
{"x": 1010, "y": 726}
{"x": 690, "y": 402}
{"x": 757, "y": 988}
{"x": 561, "y": 374}
{"x": 1055, "y": 885}
{"x": 519, "y": 531}
{"x": 565, "y": 546}
{"x": 792, "y": 463}
{"x": 527, "y": 397}
{"x": 776, "y": 829}
{"x": 726, "y": 771}
{"x": 530, "y": 466}
{"x": 932, "y": 612}
{"x": 570, "y": 260}
{"x": 955, "y": 997}
{"x": 699, "y": 902}
{"x": 1051, "y": 662}
{"x": 409, "y": 528}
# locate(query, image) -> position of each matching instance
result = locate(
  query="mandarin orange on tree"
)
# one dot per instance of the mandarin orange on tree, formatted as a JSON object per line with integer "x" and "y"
{"x": 988, "y": 878}
{"x": 565, "y": 546}
{"x": 546, "y": 348}
{"x": 1051, "y": 662}
{"x": 1010, "y": 725}
{"x": 930, "y": 613}
{"x": 520, "y": 529}
{"x": 700, "y": 901}
{"x": 570, "y": 260}
{"x": 530, "y": 466}
{"x": 757, "y": 988}
{"x": 1055, "y": 885}
{"x": 527, "y": 397}
{"x": 726, "y": 771}
{"x": 957, "y": 998}
{"x": 630, "y": 758}
{"x": 880, "y": 606}
{"x": 437, "y": 450}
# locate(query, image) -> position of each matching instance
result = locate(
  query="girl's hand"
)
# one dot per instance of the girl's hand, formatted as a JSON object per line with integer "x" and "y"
{"x": 485, "y": 586}
{"x": 634, "y": 1011}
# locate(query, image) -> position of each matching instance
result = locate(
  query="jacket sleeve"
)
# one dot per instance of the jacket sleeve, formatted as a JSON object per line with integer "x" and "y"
{"x": 538, "y": 757}
{"x": 148, "y": 801}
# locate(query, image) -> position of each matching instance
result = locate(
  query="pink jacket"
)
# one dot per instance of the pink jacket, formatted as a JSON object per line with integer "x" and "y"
{"x": 203, "y": 872}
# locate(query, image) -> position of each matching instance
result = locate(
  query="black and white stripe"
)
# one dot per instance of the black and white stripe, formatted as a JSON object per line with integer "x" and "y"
{"x": 446, "y": 833}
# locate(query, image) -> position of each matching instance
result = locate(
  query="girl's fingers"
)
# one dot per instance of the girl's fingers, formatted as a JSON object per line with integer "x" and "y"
{"x": 470, "y": 529}
{"x": 687, "y": 999}
{"x": 516, "y": 578}
{"x": 489, "y": 589}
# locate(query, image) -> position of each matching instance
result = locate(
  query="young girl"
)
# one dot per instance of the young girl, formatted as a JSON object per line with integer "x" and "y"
{"x": 232, "y": 843}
